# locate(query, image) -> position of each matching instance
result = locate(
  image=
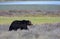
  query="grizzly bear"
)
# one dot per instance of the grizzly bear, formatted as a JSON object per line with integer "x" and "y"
{"x": 15, "y": 25}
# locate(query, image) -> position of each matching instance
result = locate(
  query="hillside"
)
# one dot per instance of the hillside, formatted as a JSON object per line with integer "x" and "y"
{"x": 30, "y": 7}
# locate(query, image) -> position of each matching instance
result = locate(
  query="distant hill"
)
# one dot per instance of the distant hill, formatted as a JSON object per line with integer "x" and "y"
{"x": 30, "y": 7}
{"x": 29, "y": 10}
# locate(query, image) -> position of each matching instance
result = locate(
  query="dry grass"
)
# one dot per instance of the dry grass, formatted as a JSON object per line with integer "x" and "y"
{"x": 42, "y": 31}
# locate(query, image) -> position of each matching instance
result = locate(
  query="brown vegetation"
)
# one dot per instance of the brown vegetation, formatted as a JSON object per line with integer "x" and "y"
{"x": 29, "y": 13}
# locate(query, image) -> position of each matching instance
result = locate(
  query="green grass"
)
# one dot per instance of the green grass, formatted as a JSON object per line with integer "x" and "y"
{"x": 34, "y": 20}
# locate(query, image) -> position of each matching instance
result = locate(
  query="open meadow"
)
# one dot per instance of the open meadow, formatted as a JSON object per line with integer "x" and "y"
{"x": 42, "y": 21}
{"x": 42, "y": 28}
{"x": 34, "y": 20}
{"x": 42, "y": 31}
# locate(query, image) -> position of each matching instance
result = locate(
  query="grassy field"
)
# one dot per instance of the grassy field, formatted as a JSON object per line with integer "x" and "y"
{"x": 34, "y": 20}
{"x": 45, "y": 31}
